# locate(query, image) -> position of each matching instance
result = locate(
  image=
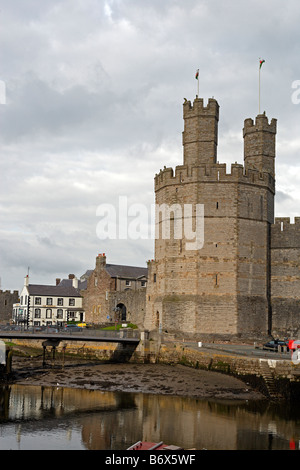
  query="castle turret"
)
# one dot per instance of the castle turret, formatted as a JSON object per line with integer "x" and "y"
{"x": 200, "y": 135}
{"x": 259, "y": 144}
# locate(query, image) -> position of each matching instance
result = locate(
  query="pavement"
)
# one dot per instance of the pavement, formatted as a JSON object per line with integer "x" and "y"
{"x": 254, "y": 351}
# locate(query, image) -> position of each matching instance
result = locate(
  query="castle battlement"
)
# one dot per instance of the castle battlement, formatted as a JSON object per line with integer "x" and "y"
{"x": 198, "y": 108}
{"x": 15, "y": 292}
{"x": 261, "y": 124}
{"x": 213, "y": 173}
{"x": 285, "y": 223}
{"x": 285, "y": 234}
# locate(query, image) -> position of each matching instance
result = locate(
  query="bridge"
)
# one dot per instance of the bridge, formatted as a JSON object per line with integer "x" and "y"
{"x": 128, "y": 339}
{"x": 107, "y": 336}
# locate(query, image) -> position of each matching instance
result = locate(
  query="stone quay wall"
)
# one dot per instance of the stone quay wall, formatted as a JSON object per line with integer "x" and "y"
{"x": 285, "y": 376}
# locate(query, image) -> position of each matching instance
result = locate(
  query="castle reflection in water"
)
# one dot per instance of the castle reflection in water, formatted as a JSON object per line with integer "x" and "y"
{"x": 48, "y": 417}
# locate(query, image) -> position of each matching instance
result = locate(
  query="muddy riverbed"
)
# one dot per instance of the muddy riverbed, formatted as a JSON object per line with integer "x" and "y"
{"x": 176, "y": 380}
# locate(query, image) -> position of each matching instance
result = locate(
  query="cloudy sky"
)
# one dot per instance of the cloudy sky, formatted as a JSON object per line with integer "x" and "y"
{"x": 91, "y": 108}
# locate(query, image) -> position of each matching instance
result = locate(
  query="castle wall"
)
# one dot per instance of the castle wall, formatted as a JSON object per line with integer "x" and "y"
{"x": 252, "y": 277}
{"x": 255, "y": 215}
{"x": 285, "y": 277}
{"x": 7, "y": 299}
{"x": 193, "y": 286}
{"x": 222, "y": 287}
{"x": 135, "y": 303}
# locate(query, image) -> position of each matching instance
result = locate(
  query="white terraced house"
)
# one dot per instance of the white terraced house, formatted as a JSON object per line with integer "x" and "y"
{"x": 42, "y": 305}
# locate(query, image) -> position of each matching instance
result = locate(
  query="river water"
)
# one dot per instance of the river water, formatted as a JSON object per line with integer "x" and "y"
{"x": 56, "y": 418}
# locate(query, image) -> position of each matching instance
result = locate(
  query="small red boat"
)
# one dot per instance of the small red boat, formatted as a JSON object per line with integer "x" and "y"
{"x": 144, "y": 445}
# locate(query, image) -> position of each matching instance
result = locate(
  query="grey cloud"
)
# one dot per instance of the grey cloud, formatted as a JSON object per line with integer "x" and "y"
{"x": 94, "y": 110}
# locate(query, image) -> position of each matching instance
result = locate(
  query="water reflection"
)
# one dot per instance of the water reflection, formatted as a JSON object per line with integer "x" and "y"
{"x": 61, "y": 418}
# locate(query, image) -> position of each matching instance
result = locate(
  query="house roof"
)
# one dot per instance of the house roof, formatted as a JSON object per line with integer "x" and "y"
{"x": 132, "y": 272}
{"x": 61, "y": 290}
{"x": 68, "y": 283}
{"x": 86, "y": 275}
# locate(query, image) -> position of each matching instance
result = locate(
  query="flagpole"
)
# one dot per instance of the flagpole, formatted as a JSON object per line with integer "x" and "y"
{"x": 259, "y": 67}
{"x": 197, "y": 78}
{"x": 259, "y": 86}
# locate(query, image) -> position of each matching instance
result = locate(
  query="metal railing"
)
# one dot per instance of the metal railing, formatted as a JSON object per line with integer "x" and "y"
{"x": 75, "y": 331}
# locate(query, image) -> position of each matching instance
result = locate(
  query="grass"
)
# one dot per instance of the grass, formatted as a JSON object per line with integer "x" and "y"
{"x": 119, "y": 325}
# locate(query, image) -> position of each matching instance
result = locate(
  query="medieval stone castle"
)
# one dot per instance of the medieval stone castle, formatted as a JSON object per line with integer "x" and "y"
{"x": 243, "y": 280}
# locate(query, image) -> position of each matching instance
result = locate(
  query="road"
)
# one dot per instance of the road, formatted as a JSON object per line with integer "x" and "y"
{"x": 241, "y": 350}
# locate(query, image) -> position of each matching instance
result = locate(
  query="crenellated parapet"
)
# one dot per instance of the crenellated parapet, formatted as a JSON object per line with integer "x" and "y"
{"x": 198, "y": 108}
{"x": 261, "y": 124}
{"x": 8, "y": 292}
{"x": 285, "y": 234}
{"x": 214, "y": 173}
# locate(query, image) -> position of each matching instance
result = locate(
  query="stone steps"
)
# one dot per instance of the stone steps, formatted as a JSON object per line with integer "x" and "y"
{"x": 268, "y": 376}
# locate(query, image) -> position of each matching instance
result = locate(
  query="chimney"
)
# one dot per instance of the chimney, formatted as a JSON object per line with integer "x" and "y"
{"x": 26, "y": 281}
{"x": 75, "y": 282}
{"x": 101, "y": 261}
{"x": 71, "y": 276}
{"x": 57, "y": 281}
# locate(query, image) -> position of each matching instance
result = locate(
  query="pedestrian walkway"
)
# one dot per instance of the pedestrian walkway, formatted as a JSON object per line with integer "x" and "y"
{"x": 240, "y": 350}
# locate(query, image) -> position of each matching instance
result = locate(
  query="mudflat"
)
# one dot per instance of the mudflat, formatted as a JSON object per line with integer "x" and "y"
{"x": 177, "y": 380}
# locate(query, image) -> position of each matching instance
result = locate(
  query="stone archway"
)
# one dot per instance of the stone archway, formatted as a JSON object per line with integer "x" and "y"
{"x": 122, "y": 311}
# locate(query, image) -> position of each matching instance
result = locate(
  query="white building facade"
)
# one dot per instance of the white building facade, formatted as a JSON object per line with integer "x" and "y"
{"x": 44, "y": 305}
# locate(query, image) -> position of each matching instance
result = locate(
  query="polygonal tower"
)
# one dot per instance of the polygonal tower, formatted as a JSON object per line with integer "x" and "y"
{"x": 220, "y": 285}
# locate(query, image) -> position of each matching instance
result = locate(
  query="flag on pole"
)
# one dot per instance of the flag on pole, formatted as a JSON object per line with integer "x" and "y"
{"x": 197, "y": 78}
{"x": 261, "y": 61}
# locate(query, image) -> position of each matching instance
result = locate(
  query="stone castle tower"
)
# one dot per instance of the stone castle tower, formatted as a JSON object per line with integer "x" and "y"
{"x": 222, "y": 286}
